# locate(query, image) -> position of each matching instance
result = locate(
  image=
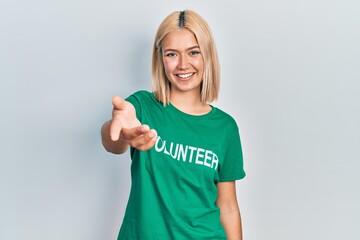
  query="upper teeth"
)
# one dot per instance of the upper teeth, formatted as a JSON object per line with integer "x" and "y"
{"x": 185, "y": 75}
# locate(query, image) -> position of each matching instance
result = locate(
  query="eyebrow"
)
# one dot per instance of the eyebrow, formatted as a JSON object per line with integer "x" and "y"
{"x": 174, "y": 50}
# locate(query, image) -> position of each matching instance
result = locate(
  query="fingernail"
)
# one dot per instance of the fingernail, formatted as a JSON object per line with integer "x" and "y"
{"x": 152, "y": 133}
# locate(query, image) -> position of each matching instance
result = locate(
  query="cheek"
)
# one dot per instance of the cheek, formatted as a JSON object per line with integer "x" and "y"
{"x": 199, "y": 64}
{"x": 168, "y": 65}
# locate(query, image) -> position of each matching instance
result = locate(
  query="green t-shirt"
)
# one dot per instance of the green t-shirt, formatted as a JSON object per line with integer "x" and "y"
{"x": 173, "y": 190}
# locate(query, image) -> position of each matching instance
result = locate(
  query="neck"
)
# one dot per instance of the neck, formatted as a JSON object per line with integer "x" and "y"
{"x": 189, "y": 103}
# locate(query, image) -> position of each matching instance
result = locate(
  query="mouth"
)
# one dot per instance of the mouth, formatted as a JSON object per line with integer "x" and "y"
{"x": 184, "y": 75}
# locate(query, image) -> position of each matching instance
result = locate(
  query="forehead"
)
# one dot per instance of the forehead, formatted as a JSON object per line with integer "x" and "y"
{"x": 179, "y": 39}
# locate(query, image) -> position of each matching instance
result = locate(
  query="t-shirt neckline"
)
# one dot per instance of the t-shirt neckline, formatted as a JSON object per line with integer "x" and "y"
{"x": 174, "y": 109}
{"x": 178, "y": 111}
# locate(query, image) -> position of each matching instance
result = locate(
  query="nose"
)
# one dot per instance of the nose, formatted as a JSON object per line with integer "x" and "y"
{"x": 183, "y": 62}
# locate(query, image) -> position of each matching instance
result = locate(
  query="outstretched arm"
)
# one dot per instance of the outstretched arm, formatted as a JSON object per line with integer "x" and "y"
{"x": 125, "y": 129}
{"x": 229, "y": 210}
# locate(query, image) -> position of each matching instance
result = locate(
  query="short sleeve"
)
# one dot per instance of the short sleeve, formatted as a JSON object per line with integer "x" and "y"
{"x": 232, "y": 167}
{"x": 134, "y": 100}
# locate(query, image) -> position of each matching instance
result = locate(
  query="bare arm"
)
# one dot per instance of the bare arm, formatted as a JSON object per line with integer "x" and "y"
{"x": 229, "y": 210}
{"x": 116, "y": 147}
{"x": 125, "y": 129}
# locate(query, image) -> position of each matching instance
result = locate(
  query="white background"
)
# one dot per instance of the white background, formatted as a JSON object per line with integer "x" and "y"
{"x": 290, "y": 78}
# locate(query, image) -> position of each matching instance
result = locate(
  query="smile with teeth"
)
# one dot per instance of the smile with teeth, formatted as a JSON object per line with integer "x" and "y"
{"x": 185, "y": 75}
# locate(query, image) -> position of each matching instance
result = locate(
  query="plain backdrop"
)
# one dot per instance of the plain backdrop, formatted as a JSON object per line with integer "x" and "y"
{"x": 290, "y": 78}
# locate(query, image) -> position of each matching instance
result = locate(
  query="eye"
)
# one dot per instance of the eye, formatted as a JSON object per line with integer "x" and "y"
{"x": 194, "y": 52}
{"x": 170, "y": 55}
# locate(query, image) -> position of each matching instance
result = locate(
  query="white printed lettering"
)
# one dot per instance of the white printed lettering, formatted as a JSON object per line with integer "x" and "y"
{"x": 207, "y": 158}
{"x": 199, "y": 155}
{"x": 215, "y": 160}
{"x": 187, "y": 153}
{"x": 192, "y": 149}
{"x": 182, "y": 152}
{"x": 173, "y": 155}
{"x": 157, "y": 147}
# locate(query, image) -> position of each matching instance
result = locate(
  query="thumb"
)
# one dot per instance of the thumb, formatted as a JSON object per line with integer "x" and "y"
{"x": 118, "y": 103}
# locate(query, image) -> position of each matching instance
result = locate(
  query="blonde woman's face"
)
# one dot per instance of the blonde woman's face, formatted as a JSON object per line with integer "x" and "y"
{"x": 183, "y": 61}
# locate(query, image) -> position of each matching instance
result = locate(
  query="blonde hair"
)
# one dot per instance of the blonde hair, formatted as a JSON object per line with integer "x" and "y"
{"x": 197, "y": 25}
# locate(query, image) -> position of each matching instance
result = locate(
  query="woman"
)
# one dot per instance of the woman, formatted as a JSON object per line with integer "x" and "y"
{"x": 184, "y": 167}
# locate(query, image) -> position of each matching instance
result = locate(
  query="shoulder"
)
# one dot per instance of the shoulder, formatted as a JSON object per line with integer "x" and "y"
{"x": 143, "y": 99}
{"x": 142, "y": 94}
{"x": 226, "y": 117}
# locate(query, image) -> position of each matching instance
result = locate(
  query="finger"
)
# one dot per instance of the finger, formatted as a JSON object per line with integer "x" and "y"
{"x": 149, "y": 144}
{"x": 118, "y": 103}
{"x": 115, "y": 130}
{"x": 143, "y": 140}
{"x": 132, "y": 133}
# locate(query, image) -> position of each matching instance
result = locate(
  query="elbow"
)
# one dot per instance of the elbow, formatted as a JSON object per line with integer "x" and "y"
{"x": 114, "y": 148}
